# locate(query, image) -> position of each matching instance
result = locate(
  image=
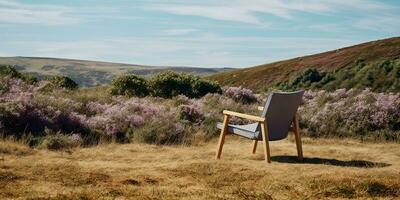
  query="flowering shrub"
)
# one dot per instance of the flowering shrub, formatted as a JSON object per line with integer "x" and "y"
{"x": 25, "y": 109}
{"x": 112, "y": 119}
{"x": 240, "y": 94}
{"x": 351, "y": 113}
{"x": 182, "y": 100}
{"x": 190, "y": 113}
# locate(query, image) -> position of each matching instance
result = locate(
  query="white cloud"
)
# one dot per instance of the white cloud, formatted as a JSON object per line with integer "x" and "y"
{"x": 379, "y": 23}
{"x": 360, "y": 5}
{"x": 214, "y": 12}
{"x": 15, "y": 12}
{"x": 246, "y": 11}
{"x": 177, "y": 32}
{"x": 184, "y": 43}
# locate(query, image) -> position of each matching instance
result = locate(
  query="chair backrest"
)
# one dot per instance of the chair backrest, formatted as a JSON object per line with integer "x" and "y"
{"x": 279, "y": 110}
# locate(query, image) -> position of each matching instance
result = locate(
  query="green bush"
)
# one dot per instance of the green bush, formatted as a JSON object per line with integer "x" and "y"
{"x": 10, "y": 71}
{"x": 28, "y": 78}
{"x": 3, "y": 88}
{"x": 7, "y": 70}
{"x": 63, "y": 82}
{"x": 4, "y": 115}
{"x": 59, "y": 141}
{"x": 130, "y": 85}
{"x": 169, "y": 84}
{"x": 201, "y": 87}
{"x": 307, "y": 79}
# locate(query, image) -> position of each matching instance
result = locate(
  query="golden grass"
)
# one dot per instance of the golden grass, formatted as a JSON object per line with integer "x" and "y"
{"x": 331, "y": 169}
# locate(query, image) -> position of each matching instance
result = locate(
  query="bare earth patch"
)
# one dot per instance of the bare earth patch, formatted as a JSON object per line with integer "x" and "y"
{"x": 332, "y": 169}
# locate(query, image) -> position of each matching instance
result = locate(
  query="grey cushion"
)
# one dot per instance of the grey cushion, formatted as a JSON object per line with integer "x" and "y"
{"x": 248, "y": 131}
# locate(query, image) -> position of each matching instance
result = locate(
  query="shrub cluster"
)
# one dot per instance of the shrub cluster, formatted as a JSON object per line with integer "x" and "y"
{"x": 63, "y": 82}
{"x": 3, "y": 86}
{"x": 11, "y": 72}
{"x": 130, "y": 85}
{"x": 240, "y": 94}
{"x": 167, "y": 84}
{"x": 190, "y": 113}
{"x": 25, "y": 109}
{"x": 359, "y": 75}
{"x": 59, "y": 141}
{"x": 7, "y": 70}
{"x": 94, "y": 115}
{"x": 352, "y": 113}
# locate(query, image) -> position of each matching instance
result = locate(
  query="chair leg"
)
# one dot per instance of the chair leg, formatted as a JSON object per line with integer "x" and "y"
{"x": 264, "y": 131}
{"x": 297, "y": 135}
{"x": 222, "y": 137}
{"x": 254, "y": 146}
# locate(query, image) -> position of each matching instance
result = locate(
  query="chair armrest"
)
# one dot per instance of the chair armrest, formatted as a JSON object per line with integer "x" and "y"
{"x": 245, "y": 116}
{"x": 260, "y": 108}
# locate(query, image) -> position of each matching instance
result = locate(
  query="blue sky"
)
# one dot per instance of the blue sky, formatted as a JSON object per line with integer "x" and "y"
{"x": 202, "y": 33}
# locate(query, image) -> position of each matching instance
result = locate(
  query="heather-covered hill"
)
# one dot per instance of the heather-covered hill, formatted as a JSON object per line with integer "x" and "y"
{"x": 348, "y": 61}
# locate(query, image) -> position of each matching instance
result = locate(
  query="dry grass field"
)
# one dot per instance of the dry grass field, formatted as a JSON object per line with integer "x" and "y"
{"x": 332, "y": 169}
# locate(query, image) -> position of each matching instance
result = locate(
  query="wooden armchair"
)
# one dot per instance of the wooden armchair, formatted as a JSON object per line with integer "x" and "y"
{"x": 278, "y": 117}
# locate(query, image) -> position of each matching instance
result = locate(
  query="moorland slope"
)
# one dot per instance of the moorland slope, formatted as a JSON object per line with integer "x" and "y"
{"x": 92, "y": 73}
{"x": 350, "y": 59}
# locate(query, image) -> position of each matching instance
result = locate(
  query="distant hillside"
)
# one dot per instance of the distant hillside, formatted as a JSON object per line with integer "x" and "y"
{"x": 377, "y": 61}
{"x": 92, "y": 73}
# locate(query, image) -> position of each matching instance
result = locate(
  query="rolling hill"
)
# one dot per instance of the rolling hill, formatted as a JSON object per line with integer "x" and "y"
{"x": 92, "y": 73}
{"x": 337, "y": 62}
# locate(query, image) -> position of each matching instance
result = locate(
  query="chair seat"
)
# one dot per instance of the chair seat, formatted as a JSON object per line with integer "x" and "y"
{"x": 248, "y": 131}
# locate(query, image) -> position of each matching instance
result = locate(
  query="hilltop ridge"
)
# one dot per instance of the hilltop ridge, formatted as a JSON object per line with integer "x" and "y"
{"x": 92, "y": 73}
{"x": 265, "y": 75}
